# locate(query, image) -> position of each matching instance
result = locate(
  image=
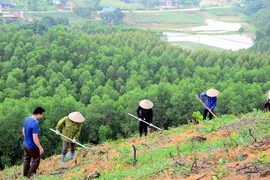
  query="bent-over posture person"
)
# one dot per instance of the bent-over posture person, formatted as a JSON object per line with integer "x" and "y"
{"x": 145, "y": 112}
{"x": 210, "y": 97}
{"x": 32, "y": 147}
{"x": 267, "y": 104}
{"x": 72, "y": 129}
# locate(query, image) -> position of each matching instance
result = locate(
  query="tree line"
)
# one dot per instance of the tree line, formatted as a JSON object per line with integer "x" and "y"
{"x": 37, "y": 5}
{"x": 258, "y": 14}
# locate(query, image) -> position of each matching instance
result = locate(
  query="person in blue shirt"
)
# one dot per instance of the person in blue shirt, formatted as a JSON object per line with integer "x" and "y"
{"x": 32, "y": 147}
{"x": 210, "y": 98}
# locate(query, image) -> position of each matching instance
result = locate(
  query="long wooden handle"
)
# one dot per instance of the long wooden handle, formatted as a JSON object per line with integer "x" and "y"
{"x": 144, "y": 121}
{"x": 68, "y": 138}
{"x": 206, "y": 107}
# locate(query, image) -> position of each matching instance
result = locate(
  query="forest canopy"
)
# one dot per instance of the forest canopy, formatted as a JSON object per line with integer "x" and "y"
{"x": 258, "y": 13}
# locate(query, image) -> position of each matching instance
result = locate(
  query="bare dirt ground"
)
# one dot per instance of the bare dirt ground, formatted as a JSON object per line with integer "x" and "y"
{"x": 244, "y": 169}
{"x": 241, "y": 165}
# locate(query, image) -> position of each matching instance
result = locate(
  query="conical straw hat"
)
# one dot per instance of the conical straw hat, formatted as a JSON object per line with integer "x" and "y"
{"x": 76, "y": 117}
{"x": 146, "y": 104}
{"x": 212, "y": 92}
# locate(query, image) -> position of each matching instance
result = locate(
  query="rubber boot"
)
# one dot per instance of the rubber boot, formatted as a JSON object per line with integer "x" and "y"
{"x": 63, "y": 160}
{"x": 71, "y": 155}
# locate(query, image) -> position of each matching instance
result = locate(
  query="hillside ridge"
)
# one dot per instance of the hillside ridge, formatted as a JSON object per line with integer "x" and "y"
{"x": 239, "y": 149}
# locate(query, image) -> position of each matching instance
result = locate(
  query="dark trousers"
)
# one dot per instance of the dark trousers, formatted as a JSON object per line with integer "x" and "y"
{"x": 205, "y": 111}
{"x": 267, "y": 105}
{"x": 30, "y": 168}
{"x": 65, "y": 147}
{"x": 143, "y": 128}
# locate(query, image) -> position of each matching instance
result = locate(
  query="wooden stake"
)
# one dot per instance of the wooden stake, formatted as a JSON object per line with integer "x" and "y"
{"x": 135, "y": 160}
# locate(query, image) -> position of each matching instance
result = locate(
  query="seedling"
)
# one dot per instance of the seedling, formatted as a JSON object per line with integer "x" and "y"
{"x": 240, "y": 157}
{"x": 218, "y": 174}
{"x": 264, "y": 158}
{"x": 197, "y": 116}
{"x": 214, "y": 127}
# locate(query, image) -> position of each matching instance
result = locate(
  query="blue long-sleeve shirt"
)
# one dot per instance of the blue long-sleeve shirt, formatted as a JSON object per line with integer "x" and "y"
{"x": 210, "y": 102}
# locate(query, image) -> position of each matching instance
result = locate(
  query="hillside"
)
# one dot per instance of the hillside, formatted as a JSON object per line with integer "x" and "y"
{"x": 104, "y": 71}
{"x": 226, "y": 148}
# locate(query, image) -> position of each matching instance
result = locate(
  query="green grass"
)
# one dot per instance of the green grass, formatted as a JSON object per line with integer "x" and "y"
{"x": 222, "y": 12}
{"x": 140, "y": 172}
{"x": 226, "y": 14}
{"x": 194, "y": 46}
{"x": 172, "y": 17}
{"x": 155, "y": 161}
{"x": 73, "y": 19}
{"x": 121, "y": 5}
{"x": 147, "y": 164}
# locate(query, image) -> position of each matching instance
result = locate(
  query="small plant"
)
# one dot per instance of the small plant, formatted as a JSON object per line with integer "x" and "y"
{"x": 197, "y": 116}
{"x": 218, "y": 174}
{"x": 105, "y": 171}
{"x": 118, "y": 166}
{"x": 236, "y": 138}
{"x": 124, "y": 149}
{"x": 212, "y": 156}
{"x": 240, "y": 157}
{"x": 241, "y": 30}
{"x": 213, "y": 126}
{"x": 264, "y": 158}
{"x": 118, "y": 142}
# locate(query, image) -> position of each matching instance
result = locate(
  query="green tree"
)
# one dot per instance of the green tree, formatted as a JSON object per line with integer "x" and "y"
{"x": 11, "y": 119}
{"x": 8, "y": 51}
{"x": 32, "y": 5}
{"x": 18, "y": 74}
{"x": 114, "y": 17}
{"x": 61, "y": 91}
{"x": 157, "y": 94}
{"x": 110, "y": 74}
{"x": 91, "y": 126}
{"x": 11, "y": 82}
{"x": 104, "y": 133}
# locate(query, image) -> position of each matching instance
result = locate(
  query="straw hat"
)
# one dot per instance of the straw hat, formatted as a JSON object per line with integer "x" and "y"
{"x": 76, "y": 117}
{"x": 146, "y": 104}
{"x": 212, "y": 92}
